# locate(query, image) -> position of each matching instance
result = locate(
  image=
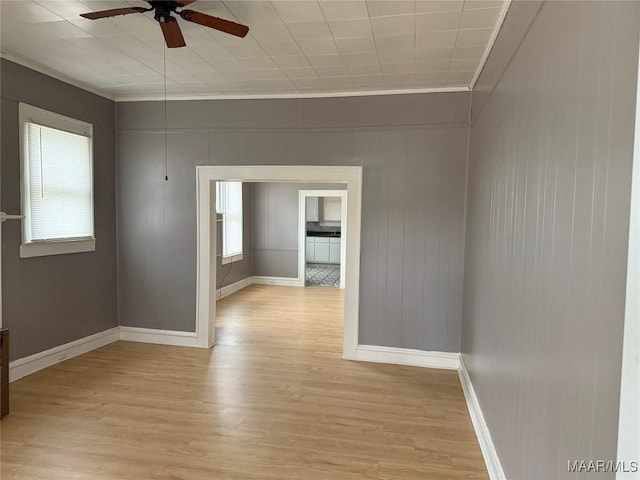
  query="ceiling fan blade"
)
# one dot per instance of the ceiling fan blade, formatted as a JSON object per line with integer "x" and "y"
{"x": 172, "y": 33}
{"x": 214, "y": 22}
{"x": 184, "y": 3}
{"x": 113, "y": 12}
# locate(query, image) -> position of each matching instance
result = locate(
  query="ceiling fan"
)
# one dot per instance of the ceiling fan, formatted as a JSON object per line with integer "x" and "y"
{"x": 169, "y": 25}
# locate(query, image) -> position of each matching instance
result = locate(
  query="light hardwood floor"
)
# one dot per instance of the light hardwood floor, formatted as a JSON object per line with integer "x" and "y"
{"x": 273, "y": 400}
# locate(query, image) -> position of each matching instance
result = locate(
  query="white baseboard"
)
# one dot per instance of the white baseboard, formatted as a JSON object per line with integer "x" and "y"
{"x": 494, "y": 467}
{"x": 159, "y": 337}
{"x": 38, "y": 361}
{"x": 405, "y": 356}
{"x": 233, "y": 288}
{"x": 281, "y": 281}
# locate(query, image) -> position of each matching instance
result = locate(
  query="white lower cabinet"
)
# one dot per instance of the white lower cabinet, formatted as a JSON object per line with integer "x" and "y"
{"x": 310, "y": 254}
{"x": 334, "y": 252}
{"x": 323, "y": 250}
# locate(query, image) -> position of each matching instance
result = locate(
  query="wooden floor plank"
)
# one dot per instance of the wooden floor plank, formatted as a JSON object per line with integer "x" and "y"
{"x": 273, "y": 400}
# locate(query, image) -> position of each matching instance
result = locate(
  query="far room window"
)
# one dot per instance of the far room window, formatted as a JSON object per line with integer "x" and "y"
{"x": 56, "y": 182}
{"x": 229, "y": 204}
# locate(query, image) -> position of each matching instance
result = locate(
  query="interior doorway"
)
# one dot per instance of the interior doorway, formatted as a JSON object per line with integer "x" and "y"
{"x": 322, "y": 237}
{"x": 207, "y": 176}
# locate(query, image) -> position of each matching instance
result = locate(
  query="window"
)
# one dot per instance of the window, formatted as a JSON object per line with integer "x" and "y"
{"x": 57, "y": 183}
{"x": 229, "y": 204}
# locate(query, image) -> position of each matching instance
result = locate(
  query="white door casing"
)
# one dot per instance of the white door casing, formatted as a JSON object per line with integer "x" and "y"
{"x": 206, "y": 175}
{"x": 302, "y": 229}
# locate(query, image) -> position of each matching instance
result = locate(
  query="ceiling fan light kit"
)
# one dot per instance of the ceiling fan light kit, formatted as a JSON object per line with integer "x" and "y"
{"x": 170, "y": 28}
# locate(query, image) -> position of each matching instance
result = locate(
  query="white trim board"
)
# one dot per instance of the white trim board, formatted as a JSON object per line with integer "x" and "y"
{"x": 159, "y": 337}
{"x": 491, "y": 459}
{"x": 39, "y": 361}
{"x": 233, "y": 287}
{"x": 405, "y": 356}
{"x": 281, "y": 281}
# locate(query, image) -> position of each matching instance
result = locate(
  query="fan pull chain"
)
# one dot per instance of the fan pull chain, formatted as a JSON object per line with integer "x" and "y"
{"x": 164, "y": 68}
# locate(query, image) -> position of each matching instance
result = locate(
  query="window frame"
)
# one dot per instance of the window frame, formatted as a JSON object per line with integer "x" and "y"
{"x": 227, "y": 259}
{"x": 29, "y": 113}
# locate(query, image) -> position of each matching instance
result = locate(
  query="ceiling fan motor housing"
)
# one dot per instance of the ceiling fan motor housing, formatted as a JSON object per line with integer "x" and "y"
{"x": 163, "y": 9}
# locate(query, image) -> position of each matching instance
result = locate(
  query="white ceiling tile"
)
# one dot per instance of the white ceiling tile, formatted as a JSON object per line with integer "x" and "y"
{"x": 98, "y": 29}
{"x": 28, "y": 12}
{"x": 307, "y": 30}
{"x": 62, "y": 29}
{"x": 68, "y": 10}
{"x": 360, "y": 59}
{"x": 480, "y": 18}
{"x": 240, "y": 75}
{"x": 462, "y": 53}
{"x": 281, "y": 85}
{"x": 432, "y": 76}
{"x": 212, "y": 77}
{"x": 373, "y": 69}
{"x": 258, "y": 63}
{"x": 337, "y": 82}
{"x": 395, "y": 42}
{"x": 350, "y": 28}
{"x": 425, "y": 66}
{"x": 428, "y": 54}
{"x": 294, "y": 12}
{"x": 270, "y": 32}
{"x": 397, "y": 56}
{"x": 461, "y": 76}
{"x": 344, "y": 9}
{"x": 347, "y": 46}
{"x": 246, "y": 51}
{"x": 383, "y": 8}
{"x": 445, "y": 39}
{"x": 276, "y": 74}
{"x": 250, "y": 12}
{"x": 325, "y": 60}
{"x": 472, "y": 4}
{"x": 281, "y": 48}
{"x": 433, "y": 22}
{"x": 318, "y": 46}
{"x": 432, "y": 6}
{"x": 409, "y": 67}
{"x": 393, "y": 25}
{"x": 291, "y": 61}
{"x": 399, "y": 78}
{"x": 368, "y": 81}
{"x": 302, "y": 72}
{"x": 332, "y": 71}
{"x": 473, "y": 38}
{"x": 464, "y": 64}
{"x": 307, "y": 83}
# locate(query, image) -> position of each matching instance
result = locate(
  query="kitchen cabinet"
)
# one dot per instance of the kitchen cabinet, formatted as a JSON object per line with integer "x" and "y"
{"x": 313, "y": 209}
{"x": 334, "y": 250}
{"x": 322, "y": 250}
{"x": 310, "y": 253}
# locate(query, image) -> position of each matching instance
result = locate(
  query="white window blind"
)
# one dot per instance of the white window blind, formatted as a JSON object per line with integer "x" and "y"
{"x": 229, "y": 204}
{"x": 58, "y": 184}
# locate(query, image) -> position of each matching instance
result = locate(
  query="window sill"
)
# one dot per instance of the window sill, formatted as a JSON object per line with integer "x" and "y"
{"x": 42, "y": 249}
{"x": 231, "y": 259}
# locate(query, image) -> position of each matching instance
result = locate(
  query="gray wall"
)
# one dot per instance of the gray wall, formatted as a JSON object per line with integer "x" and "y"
{"x": 412, "y": 147}
{"x": 275, "y": 227}
{"x": 546, "y": 245}
{"x": 49, "y": 301}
